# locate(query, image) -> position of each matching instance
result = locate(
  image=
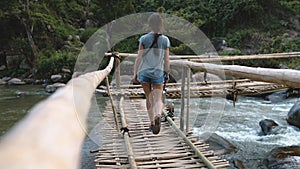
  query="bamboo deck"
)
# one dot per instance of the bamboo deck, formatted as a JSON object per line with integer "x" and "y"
{"x": 145, "y": 150}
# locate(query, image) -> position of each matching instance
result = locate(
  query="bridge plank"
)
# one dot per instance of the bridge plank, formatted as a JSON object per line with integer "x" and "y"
{"x": 165, "y": 150}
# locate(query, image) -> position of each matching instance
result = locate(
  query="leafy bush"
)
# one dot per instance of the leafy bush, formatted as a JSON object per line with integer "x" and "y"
{"x": 52, "y": 62}
{"x": 86, "y": 34}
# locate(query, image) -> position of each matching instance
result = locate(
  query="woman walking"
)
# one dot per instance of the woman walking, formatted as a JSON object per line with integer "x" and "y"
{"x": 152, "y": 68}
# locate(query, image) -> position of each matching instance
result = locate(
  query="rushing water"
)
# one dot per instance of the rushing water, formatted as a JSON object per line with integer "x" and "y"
{"x": 239, "y": 124}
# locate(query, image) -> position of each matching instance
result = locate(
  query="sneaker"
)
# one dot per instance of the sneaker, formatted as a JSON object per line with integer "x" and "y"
{"x": 156, "y": 127}
{"x": 150, "y": 127}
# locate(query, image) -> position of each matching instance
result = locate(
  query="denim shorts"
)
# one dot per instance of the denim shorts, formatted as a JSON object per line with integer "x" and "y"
{"x": 144, "y": 78}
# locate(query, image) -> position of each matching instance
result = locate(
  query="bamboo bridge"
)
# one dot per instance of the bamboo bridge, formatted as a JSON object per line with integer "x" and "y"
{"x": 51, "y": 135}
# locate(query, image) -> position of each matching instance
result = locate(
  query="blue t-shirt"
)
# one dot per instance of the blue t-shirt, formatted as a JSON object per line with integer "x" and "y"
{"x": 153, "y": 65}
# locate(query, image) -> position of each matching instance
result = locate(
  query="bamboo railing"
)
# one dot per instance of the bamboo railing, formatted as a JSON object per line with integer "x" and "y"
{"x": 215, "y": 57}
{"x": 287, "y": 77}
{"x": 51, "y": 135}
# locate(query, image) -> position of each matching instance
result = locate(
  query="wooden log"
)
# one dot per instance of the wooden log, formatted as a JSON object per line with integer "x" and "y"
{"x": 215, "y": 57}
{"x": 182, "y": 110}
{"x": 51, "y": 135}
{"x": 126, "y": 137}
{"x": 287, "y": 77}
{"x": 249, "y": 57}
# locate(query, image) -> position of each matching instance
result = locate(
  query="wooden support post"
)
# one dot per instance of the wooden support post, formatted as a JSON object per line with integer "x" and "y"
{"x": 112, "y": 104}
{"x": 183, "y": 74}
{"x": 187, "y": 128}
{"x": 118, "y": 73}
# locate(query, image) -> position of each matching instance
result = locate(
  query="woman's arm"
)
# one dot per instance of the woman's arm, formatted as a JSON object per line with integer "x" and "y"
{"x": 167, "y": 64}
{"x": 138, "y": 61}
{"x": 167, "y": 61}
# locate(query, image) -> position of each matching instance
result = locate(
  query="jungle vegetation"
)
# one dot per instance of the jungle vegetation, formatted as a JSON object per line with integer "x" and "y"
{"x": 47, "y": 35}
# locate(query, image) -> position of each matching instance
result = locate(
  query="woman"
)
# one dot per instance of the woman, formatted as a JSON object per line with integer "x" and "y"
{"x": 151, "y": 63}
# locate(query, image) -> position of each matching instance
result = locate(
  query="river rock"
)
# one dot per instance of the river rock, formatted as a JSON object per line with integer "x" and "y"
{"x": 56, "y": 78}
{"x": 219, "y": 44}
{"x": 283, "y": 158}
{"x": 52, "y": 88}
{"x": 199, "y": 77}
{"x": 6, "y": 78}
{"x": 294, "y": 115}
{"x": 2, "y": 82}
{"x": 126, "y": 68}
{"x": 277, "y": 96}
{"x": 269, "y": 126}
{"x": 218, "y": 143}
{"x": 125, "y": 79}
{"x": 15, "y": 81}
{"x": 2, "y": 67}
{"x": 29, "y": 81}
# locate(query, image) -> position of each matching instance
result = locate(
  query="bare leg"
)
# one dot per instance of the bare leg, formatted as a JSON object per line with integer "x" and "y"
{"x": 157, "y": 98}
{"x": 149, "y": 101}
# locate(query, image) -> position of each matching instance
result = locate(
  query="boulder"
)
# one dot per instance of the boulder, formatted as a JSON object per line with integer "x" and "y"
{"x": 294, "y": 115}
{"x": 199, "y": 77}
{"x": 15, "y": 81}
{"x": 218, "y": 143}
{"x": 56, "y": 78}
{"x": 283, "y": 157}
{"x": 2, "y": 82}
{"x": 126, "y": 68}
{"x": 2, "y": 67}
{"x": 66, "y": 71}
{"x": 218, "y": 44}
{"x": 6, "y": 78}
{"x": 52, "y": 88}
{"x": 125, "y": 79}
{"x": 29, "y": 81}
{"x": 269, "y": 126}
{"x": 277, "y": 96}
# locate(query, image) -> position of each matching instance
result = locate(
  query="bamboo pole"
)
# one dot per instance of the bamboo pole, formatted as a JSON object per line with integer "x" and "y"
{"x": 113, "y": 106}
{"x": 118, "y": 73}
{"x": 189, "y": 143}
{"x": 287, "y": 77}
{"x": 215, "y": 57}
{"x": 51, "y": 135}
{"x": 182, "y": 98}
{"x": 187, "y": 127}
{"x": 249, "y": 57}
{"x": 130, "y": 154}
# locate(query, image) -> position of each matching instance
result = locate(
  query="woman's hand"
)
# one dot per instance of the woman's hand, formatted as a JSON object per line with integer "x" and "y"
{"x": 166, "y": 76}
{"x": 134, "y": 80}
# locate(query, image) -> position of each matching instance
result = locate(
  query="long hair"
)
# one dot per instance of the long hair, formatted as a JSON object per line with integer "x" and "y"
{"x": 156, "y": 24}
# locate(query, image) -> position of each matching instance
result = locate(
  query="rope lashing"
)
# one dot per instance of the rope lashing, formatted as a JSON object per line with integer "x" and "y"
{"x": 125, "y": 130}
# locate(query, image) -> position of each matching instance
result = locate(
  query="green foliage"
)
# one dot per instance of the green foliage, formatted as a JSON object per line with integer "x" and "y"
{"x": 182, "y": 49}
{"x": 87, "y": 33}
{"x": 292, "y": 63}
{"x": 293, "y": 5}
{"x": 129, "y": 45}
{"x": 52, "y": 62}
{"x": 282, "y": 43}
{"x": 250, "y": 26}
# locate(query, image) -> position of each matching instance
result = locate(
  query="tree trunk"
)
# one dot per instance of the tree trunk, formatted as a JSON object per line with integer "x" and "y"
{"x": 29, "y": 31}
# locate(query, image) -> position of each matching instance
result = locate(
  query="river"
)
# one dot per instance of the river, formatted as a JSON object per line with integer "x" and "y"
{"x": 239, "y": 124}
